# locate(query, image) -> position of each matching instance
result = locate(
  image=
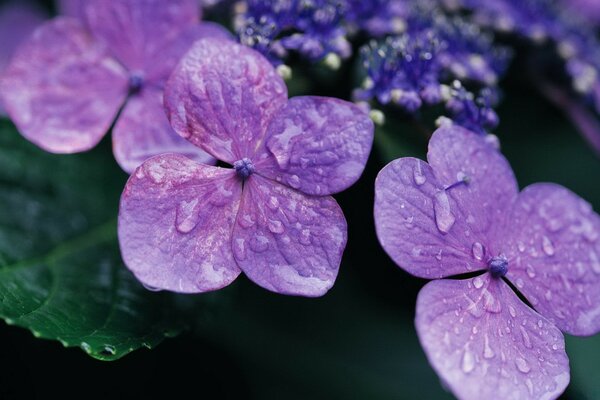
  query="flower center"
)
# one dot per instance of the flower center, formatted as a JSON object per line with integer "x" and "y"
{"x": 244, "y": 168}
{"x": 136, "y": 81}
{"x": 498, "y": 266}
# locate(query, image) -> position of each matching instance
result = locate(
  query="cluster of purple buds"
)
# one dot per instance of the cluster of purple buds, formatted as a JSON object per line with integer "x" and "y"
{"x": 313, "y": 28}
{"x": 471, "y": 111}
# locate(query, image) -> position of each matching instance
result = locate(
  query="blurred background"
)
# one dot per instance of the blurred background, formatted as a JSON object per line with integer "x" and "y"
{"x": 358, "y": 341}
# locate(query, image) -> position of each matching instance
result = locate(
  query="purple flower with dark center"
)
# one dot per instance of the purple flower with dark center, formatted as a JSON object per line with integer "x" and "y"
{"x": 462, "y": 213}
{"x": 67, "y": 84}
{"x": 17, "y": 21}
{"x": 189, "y": 227}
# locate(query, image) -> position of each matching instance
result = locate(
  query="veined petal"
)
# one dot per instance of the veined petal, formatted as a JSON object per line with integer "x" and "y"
{"x": 317, "y": 145}
{"x": 552, "y": 241}
{"x": 222, "y": 96}
{"x": 422, "y": 227}
{"x": 135, "y": 30}
{"x": 143, "y": 131}
{"x": 485, "y": 343}
{"x": 62, "y": 89}
{"x": 175, "y": 224}
{"x": 288, "y": 242}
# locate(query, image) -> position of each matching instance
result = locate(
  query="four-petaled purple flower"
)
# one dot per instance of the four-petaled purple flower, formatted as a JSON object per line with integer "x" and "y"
{"x": 66, "y": 85}
{"x": 462, "y": 213}
{"x": 188, "y": 227}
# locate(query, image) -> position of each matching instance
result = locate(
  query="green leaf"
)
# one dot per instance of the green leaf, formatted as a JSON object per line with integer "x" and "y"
{"x": 61, "y": 275}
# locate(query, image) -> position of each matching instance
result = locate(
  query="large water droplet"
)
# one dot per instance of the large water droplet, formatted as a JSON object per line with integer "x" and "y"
{"x": 294, "y": 181}
{"x": 259, "y": 243}
{"x": 547, "y": 246}
{"x": 468, "y": 362}
{"x": 239, "y": 249}
{"x": 276, "y": 226}
{"x": 187, "y": 217}
{"x": 477, "y": 282}
{"x": 487, "y": 350}
{"x": 444, "y": 219}
{"x": 246, "y": 221}
{"x": 522, "y": 365}
{"x": 151, "y": 288}
{"x": 478, "y": 251}
{"x": 418, "y": 174}
{"x": 273, "y": 203}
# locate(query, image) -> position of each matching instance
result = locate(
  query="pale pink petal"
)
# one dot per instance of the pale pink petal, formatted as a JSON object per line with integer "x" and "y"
{"x": 175, "y": 224}
{"x": 552, "y": 243}
{"x": 288, "y": 242}
{"x": 143, "y": 131}
{"x": 62, "y": 89}
{"x": 485, "y": 343}
{"x": 317, "y": 145}
{"x": 222, "y": 96}
{"x": 421, "y": 226}
{"x": 135, "y": 30}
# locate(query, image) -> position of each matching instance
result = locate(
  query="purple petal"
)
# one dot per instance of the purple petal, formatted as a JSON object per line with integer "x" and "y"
{"x": 136, "y": 30}
{"x": 17, "y": 22}
{"x": 317, "y": 145}
{"x": 159, "y": 68}
{"x": 485, "y": 343}
{"x": 62, "y": 89}
{"x": 553, "y": 248}
{"x": 407, "y": 197}
{"x": 457, "y": 154}
{"x": 288, "y": 242}
{"x": 143, "y": 131}
{"x": 175, "y": 224}
{"x": 222, "y": 96}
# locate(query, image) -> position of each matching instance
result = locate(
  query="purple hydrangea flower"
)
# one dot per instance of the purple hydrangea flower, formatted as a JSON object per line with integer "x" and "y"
{"x": 474, "y": 113}
{"x": 377, "y": 17}
{"x": 462, "y": 213}
{"x": 17, "y": 21}
{"x": 67, "y": 84}
{"x": 188, "y": 227}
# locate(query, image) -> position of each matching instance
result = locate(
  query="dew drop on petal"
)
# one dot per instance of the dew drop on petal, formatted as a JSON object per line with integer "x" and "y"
{"x": 276, "y": 226}
{"x": 487, "y": 350}
{"x": 444, "y": 219}
{"x": 478, "y": 251}
{"x": 273, "y": 203}
{"x": 305, "y": 237}
{"x": 478, "y": 282}
{"x": 438, "y": 256}
{"x": 530, "y": 271}
{"x": 151, "y": 288}
{"x": 418, "y": 174}
{"x": 521, "y": 246}
{"x": 526, "y": 339}
{"x": 468, "y": 362}
{"x": 294, "y": 181}
{"x": 522, "y": 365}
{"x": 239, "y": 249}
{"x": 547, "y": 246}
{"x": 512, "y": 311}
{"x": 186, "y": 218}
{"x": 259, "y": 243}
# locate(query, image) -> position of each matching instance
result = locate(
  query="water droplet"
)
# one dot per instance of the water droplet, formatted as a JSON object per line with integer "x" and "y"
{"x": 553, "y": 225}
{"x": 468, "y": 362}
{"x": 548, "y": 295}
{"x": 187, "y": 216}
{"x": 151, "y": 288}
{"x": 305, "y": 237}
{"x": 294, "y": 181}
{"x": 273, "y": 203}
{"x": 239, "y": 249}
{"x": 259, "y": 243}
{"x": 487, "y": 350}
{"x": 490, "y": 303}
{"x": 276, "y": 226}
{"x": 444, "y": 219}
{"x": 529, "y": 385}
{"x": 512, "y": 311}
{"x": 246, "y": 221}
{"x": 478, "y": 282}
{"x": 522, "y": 365}
{"x": 478, "y": 251}
{"x": 547, "y": 246}
{"x": 109, "y": 350}
{"x": 530, "y": 271}
{"x": 540, "y": 324}
{"x": 521, "y": 246}
{"x": 526, "y": 339}
{"x": 86, "y": 347}
{"x": 520, "y": 283}
{"x": 418, "y": 174}
{"x": 474, "y": 330}
{"x": 438, "y": 256}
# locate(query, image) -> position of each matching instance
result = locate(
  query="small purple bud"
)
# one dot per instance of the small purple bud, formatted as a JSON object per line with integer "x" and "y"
{"x": 498, "y": 266}
{"x": 244, "y": 168}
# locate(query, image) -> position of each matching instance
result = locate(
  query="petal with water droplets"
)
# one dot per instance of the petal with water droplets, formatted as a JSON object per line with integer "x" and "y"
{"x": 325, "y": 142}
{"x": 175, "y": 223}
{"x": 456, "y": 154}
{"x": 420, "y": 226}
{"x": 143, "y": 131}
{"x": 485, "y": 343}
{"x": 553, "y": 246}
{"x": 222, "y": 97}
{"x": 62, "y": 89}
{"x": 286, "y": 241}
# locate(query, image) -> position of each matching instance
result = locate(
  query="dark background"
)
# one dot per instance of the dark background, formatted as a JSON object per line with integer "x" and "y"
{"x": 356, "y": 342}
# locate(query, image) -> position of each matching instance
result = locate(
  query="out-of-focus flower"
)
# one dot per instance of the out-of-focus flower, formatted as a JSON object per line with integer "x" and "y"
{"x": 462, "y": 213}
{"x": 68, "y": 82}
{"x": 17, "y": 21}
{"x": 189, "y": 227}
{"x": 474, "y": 113}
